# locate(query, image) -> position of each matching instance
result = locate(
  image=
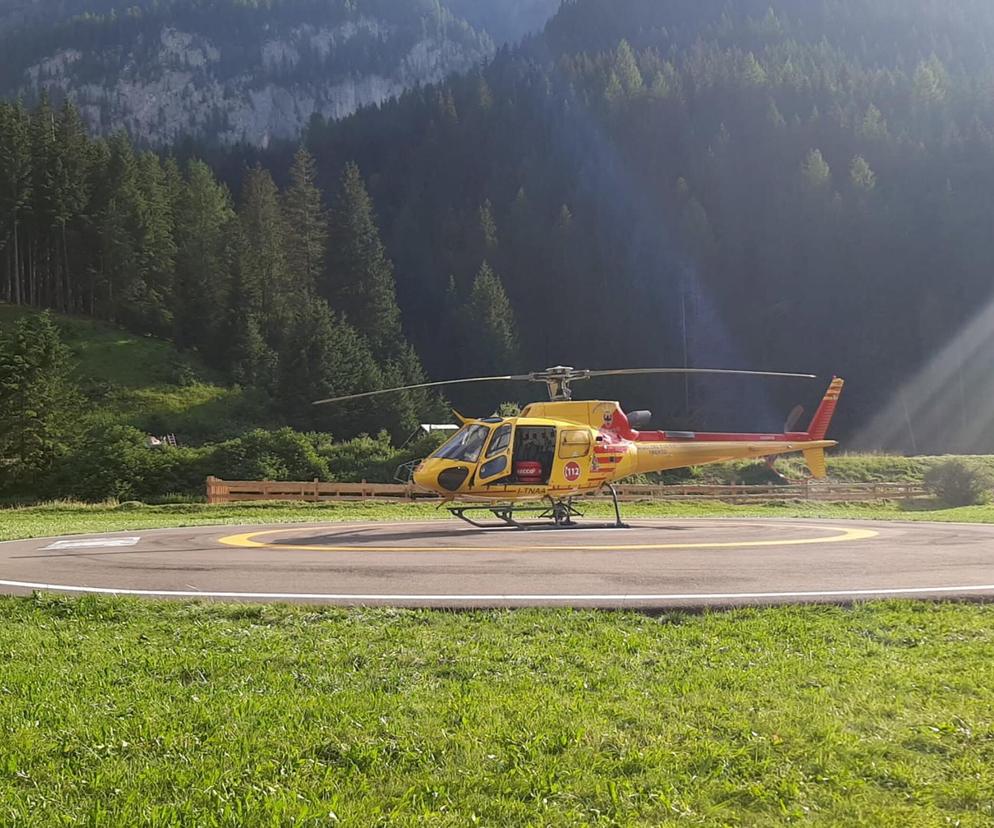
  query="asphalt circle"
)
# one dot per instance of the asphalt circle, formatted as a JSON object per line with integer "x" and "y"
{"x": 654, "y": 564}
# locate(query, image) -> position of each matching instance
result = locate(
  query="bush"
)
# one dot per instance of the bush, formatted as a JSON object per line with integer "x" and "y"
{"x": 269, "y": 455}
{"x": 959, "y": 482}
{"x": 113, "y": 461}
{"x": 374, "y": 459}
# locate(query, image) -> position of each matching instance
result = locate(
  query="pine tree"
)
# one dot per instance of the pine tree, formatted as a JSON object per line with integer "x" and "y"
{"x": 815, "y": 171}
{"x": 38, "y": 400}
{"x": 488, "y": 227}
{"x": 204, "y": 221}
{"x": 118, "y": 206}
{"x": 15, "y": 193}
{"x": 43, "y": 206}
{"x": 265, "y": 282}
{"x": 324, "y": 356}
{"x": 861, "y": 176}
{"x": 252, "y": 362}
{"x": 361, "y": 281}
{"x": 73, "y": 188}
{"x": 493, "y": 334}
{"x": 626, "y": 69}
{"x": 156, "y": 254}
{"x": 307, "y": 227}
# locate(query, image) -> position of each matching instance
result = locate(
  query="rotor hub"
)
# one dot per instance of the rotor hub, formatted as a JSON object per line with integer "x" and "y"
{"x": 558, "y": 380}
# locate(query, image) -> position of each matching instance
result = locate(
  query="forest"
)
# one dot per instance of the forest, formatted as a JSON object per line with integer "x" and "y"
{"x": 784, "y": 185}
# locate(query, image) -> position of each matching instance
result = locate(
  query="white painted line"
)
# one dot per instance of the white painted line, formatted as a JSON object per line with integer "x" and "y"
{"x": 621, "y": 599}
{"x": 93, "y": 543}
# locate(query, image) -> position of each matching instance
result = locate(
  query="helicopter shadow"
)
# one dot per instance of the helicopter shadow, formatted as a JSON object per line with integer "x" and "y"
{"x": 447, "y": 533}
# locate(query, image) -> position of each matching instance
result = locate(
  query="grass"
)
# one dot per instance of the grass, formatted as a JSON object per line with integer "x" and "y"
{"x": 147, "y": 383}
{"x": 67, "y": 518}
{"x": 119, "y": 712}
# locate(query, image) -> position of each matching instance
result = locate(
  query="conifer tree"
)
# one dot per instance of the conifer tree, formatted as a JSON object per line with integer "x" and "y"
{"x": 324, "y": 356}
{"x": 204, "y": 221}
{"x": 252, "y": 362}
{"x": 360, "y": 276}
{"x": 43, "y": 202}
{"x": 307, "y": 227}
{"x": 626, "y": 69}
{"x": 15, "y": 193}
{"x": 266, "y": 287}
{"x": 493, "y": 337}
{"x": 156, "y": 253}
{"x": 38, "y": 400}
{"x": 118, "y": 217}
{"x": 73, "y": 188}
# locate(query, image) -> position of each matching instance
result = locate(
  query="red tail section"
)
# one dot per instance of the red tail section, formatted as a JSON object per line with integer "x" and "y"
{"x": 823, "y": 416}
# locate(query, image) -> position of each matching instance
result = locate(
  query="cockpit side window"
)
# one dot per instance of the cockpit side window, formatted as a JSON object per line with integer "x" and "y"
{"x": 465, "y": 445}
{"x": 501, "y": 440}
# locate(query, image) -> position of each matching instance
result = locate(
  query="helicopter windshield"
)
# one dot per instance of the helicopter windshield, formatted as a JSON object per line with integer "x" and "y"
{"x": 465, "y": 445}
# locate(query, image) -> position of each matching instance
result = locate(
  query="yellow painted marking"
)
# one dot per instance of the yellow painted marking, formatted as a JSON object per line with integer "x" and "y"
{"x": 247, "y": 540}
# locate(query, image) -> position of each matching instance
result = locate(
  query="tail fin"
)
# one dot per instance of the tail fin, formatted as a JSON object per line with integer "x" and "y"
{"x": 814, "y": 459}
{"x": 823, "y": 416}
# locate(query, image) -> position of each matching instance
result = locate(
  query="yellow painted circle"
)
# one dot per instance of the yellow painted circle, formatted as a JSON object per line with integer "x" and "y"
{"x": 842, "y": 535}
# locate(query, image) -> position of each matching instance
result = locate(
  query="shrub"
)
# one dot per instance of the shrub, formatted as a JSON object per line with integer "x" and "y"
{"x": 269, "y": 455}
{"x": 959, "y": 482}
{"x": 111, "y": 460}
{"x": 375, "y": 459}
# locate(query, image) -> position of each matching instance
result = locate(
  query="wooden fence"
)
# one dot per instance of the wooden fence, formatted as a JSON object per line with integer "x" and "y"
{"x": 230, "y": 491}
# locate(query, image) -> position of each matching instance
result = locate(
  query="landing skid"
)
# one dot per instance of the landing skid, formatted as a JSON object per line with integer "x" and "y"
{"x": 557, "y": 514}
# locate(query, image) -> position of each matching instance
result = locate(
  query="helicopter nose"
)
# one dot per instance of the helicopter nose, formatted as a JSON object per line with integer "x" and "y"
{"x": 420, "y": 476}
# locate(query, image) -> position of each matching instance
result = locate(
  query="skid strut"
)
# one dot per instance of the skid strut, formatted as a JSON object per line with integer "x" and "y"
{"x": 555, "y": 514}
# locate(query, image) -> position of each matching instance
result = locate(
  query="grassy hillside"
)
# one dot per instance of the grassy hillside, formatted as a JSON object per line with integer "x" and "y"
{"x": 147, "y": 383}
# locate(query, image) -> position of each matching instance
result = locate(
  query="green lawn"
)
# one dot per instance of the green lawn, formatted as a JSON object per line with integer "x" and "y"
{"x": 116, "y": 712}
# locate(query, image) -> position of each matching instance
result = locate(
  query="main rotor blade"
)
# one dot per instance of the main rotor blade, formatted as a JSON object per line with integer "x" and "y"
{"x": 624, "y": 371}
{"x": 510, "y": 377}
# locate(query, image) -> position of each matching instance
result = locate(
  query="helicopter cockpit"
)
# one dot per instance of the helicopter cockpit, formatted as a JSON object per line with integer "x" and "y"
{"x": 487, "y": 444}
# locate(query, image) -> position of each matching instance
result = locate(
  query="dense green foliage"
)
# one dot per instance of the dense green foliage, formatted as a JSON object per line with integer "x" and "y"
{"x": 786, "y": 184}
{"x": 89, "y": 226}
{"x": 122, "y": 712}
{"x": 75, "y": 420}
{"x": 958, "y": 482}
{"x": 37, "y": 399}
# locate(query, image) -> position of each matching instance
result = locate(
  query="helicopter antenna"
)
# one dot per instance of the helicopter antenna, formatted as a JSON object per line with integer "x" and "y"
{"x": 558, "y": 380}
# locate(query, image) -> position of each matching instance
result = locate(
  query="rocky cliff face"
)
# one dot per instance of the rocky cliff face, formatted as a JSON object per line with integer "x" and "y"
{"x": 232, "y": 71}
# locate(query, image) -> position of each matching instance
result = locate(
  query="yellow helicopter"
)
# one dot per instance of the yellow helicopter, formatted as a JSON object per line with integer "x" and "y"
{"x": 557, "y": 450}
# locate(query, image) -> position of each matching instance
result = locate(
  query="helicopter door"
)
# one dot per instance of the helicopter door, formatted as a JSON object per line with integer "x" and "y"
{"x": 497, "y": 461}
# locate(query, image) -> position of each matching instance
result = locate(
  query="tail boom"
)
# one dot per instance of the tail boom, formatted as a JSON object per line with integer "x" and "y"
{"x": 653, "y": 457}
{"x": 662, "y": 450}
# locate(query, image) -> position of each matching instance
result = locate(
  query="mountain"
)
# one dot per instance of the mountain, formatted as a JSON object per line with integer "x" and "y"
{"x": 234, "y": 71}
